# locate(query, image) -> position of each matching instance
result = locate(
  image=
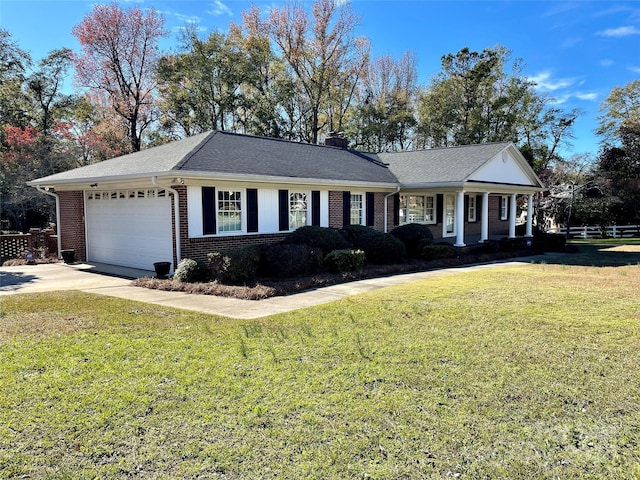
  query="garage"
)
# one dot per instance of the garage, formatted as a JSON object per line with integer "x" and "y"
{"x": 129, "y": 227}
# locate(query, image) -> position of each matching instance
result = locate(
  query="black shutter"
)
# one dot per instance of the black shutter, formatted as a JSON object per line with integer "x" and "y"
{"x": 208, "y": 210}
{"x": 371, "y": 209}
{"x": 466, "y": 208}
{"x": 440, "y": 208}
{"x": 346, "y": 208}
{"x": 315, "y": 208}
{"x": 478, "y": 207}
{"x": 396, "y": 210}
{"x": 252, "y": 209}
{"x": 500, "y": 207}
{"x": 283, "y": 210}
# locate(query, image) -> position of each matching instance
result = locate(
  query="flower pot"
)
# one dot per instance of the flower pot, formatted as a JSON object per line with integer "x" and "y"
{"x": 68, "y": 255}
{"x": 162, "y": 269}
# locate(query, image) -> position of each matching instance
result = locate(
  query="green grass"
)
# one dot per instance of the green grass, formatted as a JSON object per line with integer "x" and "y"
{"x": 521, "y": 372}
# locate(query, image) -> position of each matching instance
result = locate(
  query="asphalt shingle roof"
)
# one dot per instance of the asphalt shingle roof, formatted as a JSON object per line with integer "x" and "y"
{"x": 229, "y": 153}
{"x": 440, "y": 165}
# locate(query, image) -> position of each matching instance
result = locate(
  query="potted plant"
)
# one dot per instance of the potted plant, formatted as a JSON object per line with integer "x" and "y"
{"x": 162, "y": 269}
{"x": 68, "y": 255}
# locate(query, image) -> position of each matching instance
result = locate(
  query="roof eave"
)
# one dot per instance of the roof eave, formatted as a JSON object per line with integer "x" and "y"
{"x": 209, "y": 176}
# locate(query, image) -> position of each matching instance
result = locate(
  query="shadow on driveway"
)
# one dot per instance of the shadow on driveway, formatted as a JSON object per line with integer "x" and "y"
{"x": 12, "y": 280}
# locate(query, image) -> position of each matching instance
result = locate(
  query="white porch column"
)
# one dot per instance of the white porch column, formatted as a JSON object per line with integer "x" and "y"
{"x": 512, "y": 215}
{"x": 459, "y": 219}
{"x": 484, "y": 219}
{"x": 529, "y": 232}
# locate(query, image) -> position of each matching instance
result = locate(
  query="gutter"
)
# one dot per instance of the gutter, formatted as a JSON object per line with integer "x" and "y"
{"x": 386, "y": 211}
{"x": 58, "y": 232}
{"x": 176, "y": 209}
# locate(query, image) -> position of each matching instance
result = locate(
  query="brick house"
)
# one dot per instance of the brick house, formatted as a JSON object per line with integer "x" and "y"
{"x": 218, "y": 190}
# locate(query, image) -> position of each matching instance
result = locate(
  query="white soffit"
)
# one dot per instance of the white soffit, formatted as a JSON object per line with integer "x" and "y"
{"x": 505, "y": 169}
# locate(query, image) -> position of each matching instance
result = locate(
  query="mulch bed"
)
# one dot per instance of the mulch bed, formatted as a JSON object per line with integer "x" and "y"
{"x": 269, "y": 287}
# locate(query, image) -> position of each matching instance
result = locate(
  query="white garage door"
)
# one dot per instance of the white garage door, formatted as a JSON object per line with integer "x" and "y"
{"x": 129, "y": 227}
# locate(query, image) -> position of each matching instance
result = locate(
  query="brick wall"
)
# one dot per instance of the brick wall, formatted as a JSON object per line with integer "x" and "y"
{"x": 496, "y": 226}
{"x": 199, "y": 248}
{"x": 335, "y": 209}
{"x": 71, "y": 228}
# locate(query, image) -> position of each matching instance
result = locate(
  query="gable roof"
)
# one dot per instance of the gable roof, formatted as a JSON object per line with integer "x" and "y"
{"x": 231, "y": 155}
{"x": 461, "y": 164}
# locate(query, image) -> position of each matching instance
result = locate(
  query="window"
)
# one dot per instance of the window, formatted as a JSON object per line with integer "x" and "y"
{"x": 504, "y": 209}
{"x": 417, "y": 209}
{"x": 471, "y": 214}
{"x": 229, "y": 211}
{"x": 298, "y": 210}
{"x": 357, "y": 212}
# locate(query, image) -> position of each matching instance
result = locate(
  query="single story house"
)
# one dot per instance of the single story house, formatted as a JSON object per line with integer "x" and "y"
{"x": 219, "y": 190}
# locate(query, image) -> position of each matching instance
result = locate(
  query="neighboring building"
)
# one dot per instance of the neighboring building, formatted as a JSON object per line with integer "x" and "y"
{"x": 218, "y": 190}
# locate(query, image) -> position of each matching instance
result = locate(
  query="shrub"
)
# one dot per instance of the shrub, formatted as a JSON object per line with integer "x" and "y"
{"x": 381, "y": 248}
{"x": 339, "y": 261}
{"x": 190, "y": 271}
{"x": 235, "y": 266}
{"x": 414, "y": 236}
{"x": 326, "y": 239}
{"x": 288, "y": 260}
{"x": 352, "y": 233}
{"x": 438, "y": 252}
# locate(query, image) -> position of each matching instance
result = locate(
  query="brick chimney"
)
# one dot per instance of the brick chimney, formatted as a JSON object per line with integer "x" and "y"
{"x": 335, "y": 139}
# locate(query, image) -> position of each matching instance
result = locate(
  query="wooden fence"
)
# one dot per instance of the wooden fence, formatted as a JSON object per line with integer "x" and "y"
{"x": 591, "y": 231}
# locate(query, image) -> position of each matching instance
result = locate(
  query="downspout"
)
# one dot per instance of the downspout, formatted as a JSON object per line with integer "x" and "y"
{"x": 176, "y": 209}
{"x": 386, "y": 212}
{"x": 58, "y": 232}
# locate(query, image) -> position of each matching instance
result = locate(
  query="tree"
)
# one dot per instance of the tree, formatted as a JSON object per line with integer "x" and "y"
{"x": 202, "y": 88}
{"x": 474, "y": 100}
{"x": 620, "y": 109}
{"x": 119, "y": 56}
{"x": 14, "y": 64}
{"x": 324, "y": 59}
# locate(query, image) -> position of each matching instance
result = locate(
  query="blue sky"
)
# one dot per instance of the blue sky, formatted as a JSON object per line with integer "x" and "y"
{"x": 576, "y": 51}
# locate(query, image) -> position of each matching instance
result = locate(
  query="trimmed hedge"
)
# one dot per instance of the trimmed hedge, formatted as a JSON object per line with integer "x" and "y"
{"x": 550, "y": 242}
{"x": 190, "y": 271}
{"x": 381, "y": 248}
{"x": 352, "y": 233}
{"x": 414, "y": 236}
{"x": 340, "y": 261}
{"x": 235, "y": 266}
{"x": 289, "y": 260}
{"x": 326, "y": 239}
{"x": 438, "y": 252}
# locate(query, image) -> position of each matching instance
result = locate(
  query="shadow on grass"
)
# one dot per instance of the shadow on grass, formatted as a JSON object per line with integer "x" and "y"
{"x": 599, "y": 254}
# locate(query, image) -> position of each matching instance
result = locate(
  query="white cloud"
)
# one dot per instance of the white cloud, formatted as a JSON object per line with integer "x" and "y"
{"x": 571, "y": 42}
{"x": 544, "y": 82}
{"x": 586, "y": 96}
{"x": 619, "y": 32}
{"x": 607, "y": 63}
{"x": 218, "y": 8}
{"x": 635, "y": 69}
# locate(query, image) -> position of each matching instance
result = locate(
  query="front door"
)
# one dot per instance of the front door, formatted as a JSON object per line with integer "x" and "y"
{"x": 449, "y": 227}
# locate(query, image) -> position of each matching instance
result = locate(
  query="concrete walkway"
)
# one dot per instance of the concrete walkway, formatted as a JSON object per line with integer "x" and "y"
{"x": 116, "y": 282}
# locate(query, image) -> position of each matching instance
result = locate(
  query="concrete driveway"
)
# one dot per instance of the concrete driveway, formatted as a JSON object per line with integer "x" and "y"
{"x": 116, "y": 282}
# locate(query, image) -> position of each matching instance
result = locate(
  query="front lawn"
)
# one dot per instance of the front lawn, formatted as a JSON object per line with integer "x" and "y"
{"x": 520, "y": 372}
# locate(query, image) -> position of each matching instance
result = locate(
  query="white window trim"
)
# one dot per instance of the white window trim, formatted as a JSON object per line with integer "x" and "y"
{"x": 308, "y": 211}
{"x": 363, "y": 207}
{"x": 504, "y": 207}
{"x": 474, "y": 209}
{"x": 243, "y": 212}
{"x": 434, "y": 216}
